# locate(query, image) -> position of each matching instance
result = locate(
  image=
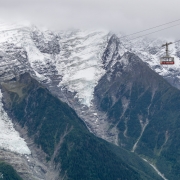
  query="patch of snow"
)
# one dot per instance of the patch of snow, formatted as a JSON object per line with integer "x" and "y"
{"x": 143, "y": 127}
{"x": 9, "y": 138}
{"x": 155, "y": 168}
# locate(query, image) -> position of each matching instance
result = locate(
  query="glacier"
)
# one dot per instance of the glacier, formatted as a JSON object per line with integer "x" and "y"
{"x": 80, "y": 62}
{"x": 9, "y": 138}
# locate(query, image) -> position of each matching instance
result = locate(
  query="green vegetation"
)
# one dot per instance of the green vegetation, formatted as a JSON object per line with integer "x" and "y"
{"x": 8, "y": 173}
{"x": 60, "y": 133}
{"x": 149, "y": 99}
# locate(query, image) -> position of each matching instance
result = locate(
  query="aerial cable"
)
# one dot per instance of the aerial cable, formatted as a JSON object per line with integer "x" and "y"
{"x": 149, "y": 28}
{"x": 153, "y": 32}
{"x": 165, "y": 60}
{"x": 175, "y": 41}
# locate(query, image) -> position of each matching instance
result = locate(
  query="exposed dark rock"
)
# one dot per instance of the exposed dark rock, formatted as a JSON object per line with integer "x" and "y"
{"x": 111, "y": 53}
{"x": 46, "y": 42}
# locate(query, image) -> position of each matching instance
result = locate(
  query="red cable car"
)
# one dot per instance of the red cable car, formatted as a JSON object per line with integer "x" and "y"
{"x": 167, "y": 59}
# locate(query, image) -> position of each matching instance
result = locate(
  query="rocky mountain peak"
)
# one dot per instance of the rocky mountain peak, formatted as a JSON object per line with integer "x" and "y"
{"x": 111, "y": 53}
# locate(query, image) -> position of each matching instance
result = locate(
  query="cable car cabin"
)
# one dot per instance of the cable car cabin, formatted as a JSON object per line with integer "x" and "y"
{"x": 167, "y": 60}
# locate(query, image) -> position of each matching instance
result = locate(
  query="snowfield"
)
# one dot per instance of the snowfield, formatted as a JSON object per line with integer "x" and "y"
{"x": 9, "y": 137}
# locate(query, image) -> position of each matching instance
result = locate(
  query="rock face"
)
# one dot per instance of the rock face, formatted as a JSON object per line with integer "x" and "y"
{"x": 46, "y": 42}
{"x": 111, "y": 53}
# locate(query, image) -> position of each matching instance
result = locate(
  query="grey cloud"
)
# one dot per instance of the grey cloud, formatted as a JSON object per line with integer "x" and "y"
{"x": 117, "y": 15}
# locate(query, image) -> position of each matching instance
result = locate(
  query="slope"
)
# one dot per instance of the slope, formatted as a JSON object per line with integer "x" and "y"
{"x": 63, "y": 136}
{"x": 144, "y": 109}
{"x": 8, "y": 173}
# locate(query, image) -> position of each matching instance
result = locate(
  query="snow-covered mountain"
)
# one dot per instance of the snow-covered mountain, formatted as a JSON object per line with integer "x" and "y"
{"x": 70, "y": 63}
{"x": 150, "y": 50}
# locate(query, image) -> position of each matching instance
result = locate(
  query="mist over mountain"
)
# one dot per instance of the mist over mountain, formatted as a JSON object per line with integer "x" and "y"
{"x": 116, "y": 15}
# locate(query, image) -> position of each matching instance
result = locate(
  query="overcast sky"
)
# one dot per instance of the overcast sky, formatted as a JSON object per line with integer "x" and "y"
{"x": 126, "y": 16}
